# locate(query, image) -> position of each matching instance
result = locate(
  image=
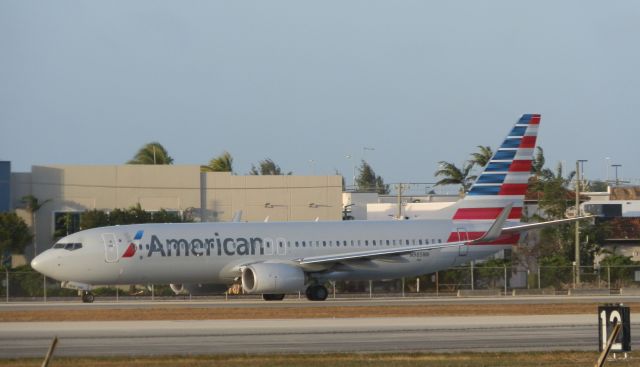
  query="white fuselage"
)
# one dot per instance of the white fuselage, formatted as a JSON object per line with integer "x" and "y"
{"x": 215, "y": 252}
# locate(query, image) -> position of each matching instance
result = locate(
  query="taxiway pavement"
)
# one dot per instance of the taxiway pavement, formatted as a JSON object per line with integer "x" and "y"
{"x": 169, "y": 337}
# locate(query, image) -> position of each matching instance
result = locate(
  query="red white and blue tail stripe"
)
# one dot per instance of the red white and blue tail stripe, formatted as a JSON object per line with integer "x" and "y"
{"x": 504, "y": 180}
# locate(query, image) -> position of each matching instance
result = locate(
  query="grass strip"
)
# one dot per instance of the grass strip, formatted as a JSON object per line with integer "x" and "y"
{"x": 253, "y": 313}
{"x": 564, "y": 359}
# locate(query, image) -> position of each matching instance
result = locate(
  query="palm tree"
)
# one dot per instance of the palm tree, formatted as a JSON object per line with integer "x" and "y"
{"x": 221, "y": 163}
{"x": 454, "y": 175}
{"x": 482, "y": 157}
{"x": 267, "y": 167}
{"x": 538, "y": 161}
{"x": 152, "y": 153}
{"x": 32, "y": 204}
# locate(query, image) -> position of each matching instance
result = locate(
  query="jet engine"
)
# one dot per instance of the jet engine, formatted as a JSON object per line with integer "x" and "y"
{"x": 272, "y": 278}
{"x": 198, "y": 289}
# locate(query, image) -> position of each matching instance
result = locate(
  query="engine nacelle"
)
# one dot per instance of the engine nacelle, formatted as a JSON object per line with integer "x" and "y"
{"x": 198, "y": 289}
{"x": 272, "y": 278}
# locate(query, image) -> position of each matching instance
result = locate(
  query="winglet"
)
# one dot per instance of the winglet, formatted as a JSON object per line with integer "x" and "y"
{"x": 496, "y": 228}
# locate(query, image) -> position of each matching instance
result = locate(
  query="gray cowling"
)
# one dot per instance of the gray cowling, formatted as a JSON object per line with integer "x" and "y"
{"x": 272, "y": 278}
{"x": 197, "y": 289}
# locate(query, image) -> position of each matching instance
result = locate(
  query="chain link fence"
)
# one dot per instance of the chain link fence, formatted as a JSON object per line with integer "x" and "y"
{"x": 17, "y": 286}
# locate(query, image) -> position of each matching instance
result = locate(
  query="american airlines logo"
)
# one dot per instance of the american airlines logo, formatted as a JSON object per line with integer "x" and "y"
{"x": 131, "y": 249}
{"x": 216, "y": 245}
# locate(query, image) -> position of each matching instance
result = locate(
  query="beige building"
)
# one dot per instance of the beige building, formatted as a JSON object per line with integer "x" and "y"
{"x": 205, "y": 196}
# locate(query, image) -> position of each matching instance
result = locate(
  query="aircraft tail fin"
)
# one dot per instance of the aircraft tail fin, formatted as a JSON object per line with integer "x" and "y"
{"x": 503, "y": 182}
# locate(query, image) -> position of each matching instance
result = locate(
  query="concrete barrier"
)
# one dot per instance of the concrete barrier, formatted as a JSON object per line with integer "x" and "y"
{"x": 534, "y": 292}
{"x": 479, "y": 292}
{"x": 589, "y": 292}
{"x": 630, "y": 291}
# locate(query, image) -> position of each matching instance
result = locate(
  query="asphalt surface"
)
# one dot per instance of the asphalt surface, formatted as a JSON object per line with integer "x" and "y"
{"x": 293, "y": 301}
{"x": 437, "y": 334}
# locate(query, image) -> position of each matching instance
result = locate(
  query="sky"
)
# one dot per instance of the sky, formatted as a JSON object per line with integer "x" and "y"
{"x": 318, "y": 86}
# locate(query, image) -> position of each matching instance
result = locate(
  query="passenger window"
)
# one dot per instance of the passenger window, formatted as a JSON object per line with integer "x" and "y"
{"x": 297, "y": 244}
{"x": 374, "y": 242}
{"x": 407, "y": 242}
{"x": 387, "y": 242}
{"x": 304, "y": 244}
{"x": 324, "y": 243}
{"x": 439, "y": 240}
{"x": 359, "y": 243}
{"x": 344, "y": 243}
{"x": 420, "y": 241}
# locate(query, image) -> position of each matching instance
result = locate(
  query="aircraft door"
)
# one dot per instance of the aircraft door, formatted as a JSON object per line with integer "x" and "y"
{"x": 281, "y": 246}
{"x": 110, "y": 247}
{"x": 462, "y": 236}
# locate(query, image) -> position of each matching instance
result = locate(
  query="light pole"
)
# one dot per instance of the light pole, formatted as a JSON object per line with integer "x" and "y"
{"x": 349, "y": 156}
{"x": 616, "y": 166}
{"x": 400, "y": 187}
{"x": 579, "y": 165}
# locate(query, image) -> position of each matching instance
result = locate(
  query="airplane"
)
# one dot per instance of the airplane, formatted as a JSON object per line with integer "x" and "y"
{"x": 277, "y": 258}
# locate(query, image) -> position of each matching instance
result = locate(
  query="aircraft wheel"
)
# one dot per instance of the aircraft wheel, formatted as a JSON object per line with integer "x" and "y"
{"x": 273, "y": 297}
{"x": 317, "y": 293}
{"x": 87, "y": 297}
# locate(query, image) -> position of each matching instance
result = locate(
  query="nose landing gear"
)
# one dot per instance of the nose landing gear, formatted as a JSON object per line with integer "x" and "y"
{"x": 87, "y": 297}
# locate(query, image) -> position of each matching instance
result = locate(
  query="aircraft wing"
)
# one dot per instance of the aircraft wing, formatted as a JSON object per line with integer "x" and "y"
{"x": 493, "y": 233}
{"x": 531, "y": 226}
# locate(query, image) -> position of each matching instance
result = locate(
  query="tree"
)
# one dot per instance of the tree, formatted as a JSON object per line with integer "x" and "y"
{"x": 482, "y": 157}
{"x": 538, "y": 161}
{"x": 267, "y": 167}
{"x": 14, "y": 234}
{"x": 94, "y": 218}
{"x": 455, "y": 176}
{"x": 221, "y": 163}
{"x": 620, "y": 268}
{"x": 596, "y": 186}
{"x": 152, "y": 153}
{"x": 32, "y": 204}
{"x": 368, "y": 181}
{"x": 556, "y": 197}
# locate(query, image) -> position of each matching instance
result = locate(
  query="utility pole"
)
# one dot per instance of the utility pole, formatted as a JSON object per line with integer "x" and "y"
{"x": 400, "y": 187}
{"x": 579, "y": 163}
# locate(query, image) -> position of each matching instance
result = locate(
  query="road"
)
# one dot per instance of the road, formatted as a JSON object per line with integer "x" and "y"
{"x": 437, "y": 334}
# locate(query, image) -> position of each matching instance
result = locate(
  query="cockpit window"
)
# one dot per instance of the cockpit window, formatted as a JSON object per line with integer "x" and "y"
{"x": 68, "y": 246}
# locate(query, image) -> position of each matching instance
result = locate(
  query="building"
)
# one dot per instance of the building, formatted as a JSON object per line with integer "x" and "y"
{"x": 69, "y": 190}
{"x": 5, "y": 186}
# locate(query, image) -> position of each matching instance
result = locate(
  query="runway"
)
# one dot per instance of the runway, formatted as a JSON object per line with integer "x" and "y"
{"x": 436, "y": 334}
{"x": 293, "y": 301}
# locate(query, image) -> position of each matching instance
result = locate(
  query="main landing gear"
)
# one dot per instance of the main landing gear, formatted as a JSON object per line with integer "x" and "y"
{"x": 317, "y": 293}
{"x": 87, "y": 297}
{"x": 273, "y": 297}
